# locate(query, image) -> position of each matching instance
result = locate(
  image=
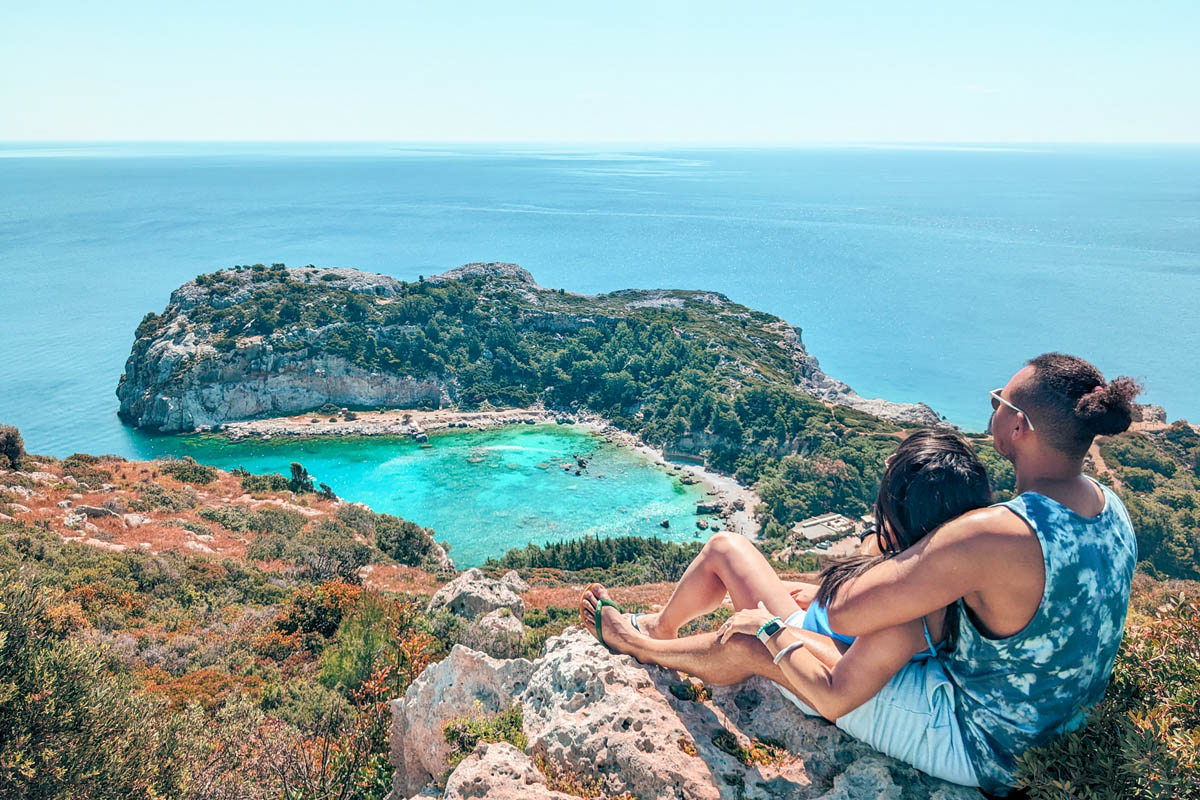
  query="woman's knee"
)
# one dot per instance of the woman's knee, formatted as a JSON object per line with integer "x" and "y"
{"x": 726, "y": 546}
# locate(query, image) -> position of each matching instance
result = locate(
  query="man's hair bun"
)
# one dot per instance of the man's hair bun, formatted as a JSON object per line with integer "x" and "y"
{"x": 1108, "y": 409}
{"x": 1071, "y": 403}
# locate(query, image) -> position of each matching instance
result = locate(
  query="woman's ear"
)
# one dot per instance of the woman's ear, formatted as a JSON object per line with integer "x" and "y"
{"x": 885, "y": 531}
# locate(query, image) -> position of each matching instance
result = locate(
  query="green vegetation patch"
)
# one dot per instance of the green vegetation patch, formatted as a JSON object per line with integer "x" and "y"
{"x": 463, "y": 733}
{"x": 187, "y": 470}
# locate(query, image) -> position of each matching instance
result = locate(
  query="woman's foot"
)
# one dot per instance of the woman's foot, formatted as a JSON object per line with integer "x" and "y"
{"x": 618, "y": 634}
{"x": 649, "y": 623}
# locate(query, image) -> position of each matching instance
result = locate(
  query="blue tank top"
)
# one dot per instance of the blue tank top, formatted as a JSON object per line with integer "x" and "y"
{"x": 1023, "y": 690}
{"x": 816, "y": 619}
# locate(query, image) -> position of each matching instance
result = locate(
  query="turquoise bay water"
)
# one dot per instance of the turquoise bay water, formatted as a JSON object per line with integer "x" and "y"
{"x": 482, "y": 491}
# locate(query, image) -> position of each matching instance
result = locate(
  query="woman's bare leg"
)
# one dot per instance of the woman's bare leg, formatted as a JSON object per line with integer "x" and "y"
{"x": 728, "y": 564}
{"x": 702, "y": 655}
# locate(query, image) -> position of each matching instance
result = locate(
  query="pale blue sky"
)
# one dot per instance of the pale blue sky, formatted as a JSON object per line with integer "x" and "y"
{"x": 702, "y": 72}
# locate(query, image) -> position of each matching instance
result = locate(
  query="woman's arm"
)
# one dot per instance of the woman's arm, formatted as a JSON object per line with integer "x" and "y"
{"x": 858, "y": 676}
{"x": 835, "y": 686}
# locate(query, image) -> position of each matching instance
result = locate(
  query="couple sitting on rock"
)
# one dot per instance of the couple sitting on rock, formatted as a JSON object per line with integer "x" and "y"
{"x": 970, "y": 631}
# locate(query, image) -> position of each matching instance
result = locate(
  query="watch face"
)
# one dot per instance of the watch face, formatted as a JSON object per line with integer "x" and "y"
{"x": 771, "y": 630}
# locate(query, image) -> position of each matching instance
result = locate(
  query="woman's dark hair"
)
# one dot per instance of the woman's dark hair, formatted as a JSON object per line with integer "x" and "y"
{"x": 933, "y": 477}
{"x": 1071, "y": 404}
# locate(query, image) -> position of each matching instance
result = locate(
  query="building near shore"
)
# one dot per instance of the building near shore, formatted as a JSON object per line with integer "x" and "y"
{"x": 824, "y": 527}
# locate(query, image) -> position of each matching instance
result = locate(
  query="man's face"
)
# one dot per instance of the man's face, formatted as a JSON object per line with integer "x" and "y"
{"x": 1004, "y": 420}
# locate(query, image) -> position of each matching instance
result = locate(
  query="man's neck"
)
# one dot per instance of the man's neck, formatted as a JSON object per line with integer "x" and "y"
{"x": 1059, "y": 478}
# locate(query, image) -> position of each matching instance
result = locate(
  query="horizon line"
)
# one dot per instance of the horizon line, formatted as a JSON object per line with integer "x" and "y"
{"x": 639, "y": 142}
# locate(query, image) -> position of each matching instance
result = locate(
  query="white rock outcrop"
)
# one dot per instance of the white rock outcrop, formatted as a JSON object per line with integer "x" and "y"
{"x": 499, "y": 771}
{"x": 613, "y": 723}
{"x": 498, "y": 633}
{"x": 465, "y": 682}
{"x": 473, "y": 594}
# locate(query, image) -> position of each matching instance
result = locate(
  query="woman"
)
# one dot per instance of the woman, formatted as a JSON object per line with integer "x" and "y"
{"x": 934, "y": 476}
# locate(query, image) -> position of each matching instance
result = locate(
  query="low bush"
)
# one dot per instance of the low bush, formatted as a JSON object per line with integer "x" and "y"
{"x": 12, "y": 447}
{"x": 270, "y": 482}
{"x": 404, "y": 541}
{"x": 463, "y": 733}
{"x": 621, "y": 560}
{"x": 83, "y": 469}
{"x": 187, "y": 470}
{"x": 71, "y": 727}
{"x": 152, "y": 497}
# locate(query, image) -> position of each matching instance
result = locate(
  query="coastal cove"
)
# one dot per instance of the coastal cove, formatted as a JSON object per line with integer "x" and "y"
{"x": 486, "y": 490}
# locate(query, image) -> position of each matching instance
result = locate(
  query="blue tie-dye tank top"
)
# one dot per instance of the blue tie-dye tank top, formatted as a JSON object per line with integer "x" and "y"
{"x": 1025, "y": 689}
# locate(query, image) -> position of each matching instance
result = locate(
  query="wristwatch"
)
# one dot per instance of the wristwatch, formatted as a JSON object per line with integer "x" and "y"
{"x": 770, "y": 629}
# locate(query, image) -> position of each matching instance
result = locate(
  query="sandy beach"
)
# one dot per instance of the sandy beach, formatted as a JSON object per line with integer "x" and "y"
{"x": 731, "y": 501}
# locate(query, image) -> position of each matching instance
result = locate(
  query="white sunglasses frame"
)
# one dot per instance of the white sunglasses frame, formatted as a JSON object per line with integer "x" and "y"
{"x": 995, "y": 395}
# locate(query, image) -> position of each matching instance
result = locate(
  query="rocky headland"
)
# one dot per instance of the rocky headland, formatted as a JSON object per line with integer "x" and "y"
{"x": 261, "y": 342}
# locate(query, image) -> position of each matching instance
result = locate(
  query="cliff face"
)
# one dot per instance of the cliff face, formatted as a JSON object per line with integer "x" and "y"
{"x": 161, "y": 389}
{"x": 256, "y": 342}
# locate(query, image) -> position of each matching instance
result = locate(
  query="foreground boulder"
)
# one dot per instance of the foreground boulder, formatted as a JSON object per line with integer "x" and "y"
{"x": 499, "y": 771}
{"x": 498, "y": 633}
{"x": 464, "y": 683}
{"x": 603, "y": 720}
{"x": 473, "y": 594}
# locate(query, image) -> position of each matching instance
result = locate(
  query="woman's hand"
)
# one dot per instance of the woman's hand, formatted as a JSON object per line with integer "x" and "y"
{"x": 748, "y": 621}
{"x": 803, "y": 593}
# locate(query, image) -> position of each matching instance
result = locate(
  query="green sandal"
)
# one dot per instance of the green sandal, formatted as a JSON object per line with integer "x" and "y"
{"x": 600, "y": 604}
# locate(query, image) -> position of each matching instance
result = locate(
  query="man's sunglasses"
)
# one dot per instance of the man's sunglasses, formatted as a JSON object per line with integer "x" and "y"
{"x": 997, "y": 400}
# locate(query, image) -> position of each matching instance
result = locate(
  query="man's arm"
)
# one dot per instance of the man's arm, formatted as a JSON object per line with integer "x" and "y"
{"x": 957, "y": 560}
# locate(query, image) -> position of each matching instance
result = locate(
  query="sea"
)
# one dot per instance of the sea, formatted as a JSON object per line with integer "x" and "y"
{"x": 917, "y": 273}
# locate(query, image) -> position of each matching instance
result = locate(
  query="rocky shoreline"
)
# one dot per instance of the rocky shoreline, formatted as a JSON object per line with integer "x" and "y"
{"x": 728, "y": 500}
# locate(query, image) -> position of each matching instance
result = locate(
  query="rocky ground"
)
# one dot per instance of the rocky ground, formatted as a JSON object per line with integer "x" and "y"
{"x": 135, "y": 505}
{"x": 615, "y": 728}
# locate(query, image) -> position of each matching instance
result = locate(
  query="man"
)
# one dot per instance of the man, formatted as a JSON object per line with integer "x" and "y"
{"x": 1039, "y": 585}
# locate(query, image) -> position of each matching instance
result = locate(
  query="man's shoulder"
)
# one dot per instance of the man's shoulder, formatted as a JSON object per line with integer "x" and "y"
{"x": 994, "y": 525}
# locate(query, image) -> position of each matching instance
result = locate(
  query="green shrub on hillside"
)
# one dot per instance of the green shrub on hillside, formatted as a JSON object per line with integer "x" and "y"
{"x": 463, "y": 733}
{"x": 404, "y": 541}
{"x": 1135, "y": 450}
{"x": 12, "y": 447}
{"x": 187, "y": 470}
{"x": 1162, "y": 492}
{"x": 153, "y": 497}
{"x": 269, "y": 482}
{"x": 84, "y": 468}
{"x": 72, "y": 727}
{"x": 621, "y": 560}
